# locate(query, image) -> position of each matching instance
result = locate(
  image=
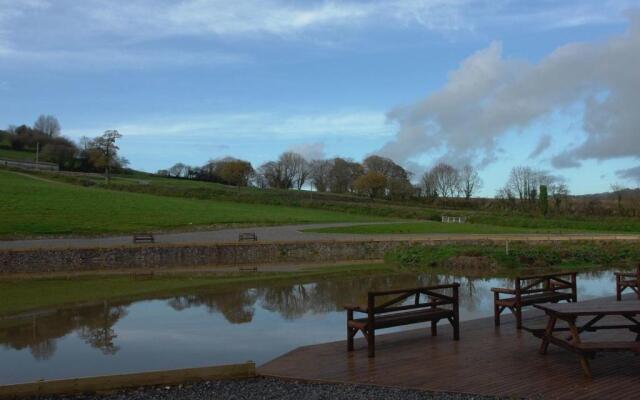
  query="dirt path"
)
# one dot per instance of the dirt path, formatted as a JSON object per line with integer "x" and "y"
{"x": 290, "y": 233}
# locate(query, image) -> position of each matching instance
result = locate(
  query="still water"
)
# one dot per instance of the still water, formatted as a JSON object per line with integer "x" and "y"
{"x": 203, "y": 328}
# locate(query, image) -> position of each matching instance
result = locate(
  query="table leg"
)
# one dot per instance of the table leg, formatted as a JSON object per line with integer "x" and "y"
{"x": 551, "y": 324}
{"x": 575, "y": 339}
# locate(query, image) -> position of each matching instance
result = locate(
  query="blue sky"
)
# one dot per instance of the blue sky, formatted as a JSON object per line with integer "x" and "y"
{"x": 481, "y": 82}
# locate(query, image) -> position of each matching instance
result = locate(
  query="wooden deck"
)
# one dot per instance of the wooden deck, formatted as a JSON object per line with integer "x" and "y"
{"x": 491, "y": 361}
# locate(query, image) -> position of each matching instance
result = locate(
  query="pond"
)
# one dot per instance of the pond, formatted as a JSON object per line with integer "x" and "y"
{"x": 257, "y": 322}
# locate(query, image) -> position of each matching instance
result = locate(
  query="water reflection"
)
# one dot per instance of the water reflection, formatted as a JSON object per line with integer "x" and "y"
{"x": 205, "y": 327}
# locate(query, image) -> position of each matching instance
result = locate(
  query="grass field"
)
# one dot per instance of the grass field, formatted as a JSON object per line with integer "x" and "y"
{"x": 20, "y": 295}
{"x": 32, "y": 206}
{"x": 434, "y": 227}
{"x": 17, "y": 155}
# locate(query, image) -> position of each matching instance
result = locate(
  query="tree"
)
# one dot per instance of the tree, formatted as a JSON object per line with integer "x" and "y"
{"x": 272, "y": 174}
{"x": 47, "y": 124}
{"x": 372, "y": 184}
{"x": 295, "y": 165}
{"x": 559, "y": 193}
{"x": 234, "y": 172}
{"x": 61, "y": 151}
{"x": 446, "y": 179}
{"x": 470, "y": 181}
{"x": 343, "y": 175}
{"x": 105, "y": 152}
{"x": 398, "y": 179}
{"x": 178, "y": 170}
{"x": 617, "y": 190}
{"x": 321, "y": 174}
{"x": 524, "y": 181}
{"x": 544, "y": 201}
{"x": 429, "y": 185}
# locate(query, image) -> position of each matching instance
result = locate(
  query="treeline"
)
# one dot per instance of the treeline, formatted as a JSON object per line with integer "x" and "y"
{"x": 374, "y": 177}
{"x": 99, "y": 154}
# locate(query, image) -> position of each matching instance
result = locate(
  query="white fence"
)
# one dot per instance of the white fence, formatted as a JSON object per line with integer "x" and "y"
{"x": 453, "y": 220}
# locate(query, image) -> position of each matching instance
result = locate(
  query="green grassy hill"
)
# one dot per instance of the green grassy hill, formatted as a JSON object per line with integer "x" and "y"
{"x": 31, "y": 205}
{"x": 17, "y": 155}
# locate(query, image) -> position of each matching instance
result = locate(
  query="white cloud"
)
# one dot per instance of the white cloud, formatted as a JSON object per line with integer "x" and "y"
{"x": 489, "y": 95}
{"x": 70, "y": 32}
{"x": 253, "y": 125}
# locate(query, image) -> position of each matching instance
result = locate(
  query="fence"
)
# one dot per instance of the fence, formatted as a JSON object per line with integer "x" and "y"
{"x": 453, "y": 220}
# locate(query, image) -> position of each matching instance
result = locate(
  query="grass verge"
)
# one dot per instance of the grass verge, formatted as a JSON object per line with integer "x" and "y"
{"x": 520, "y": 256}
{"x": 434, "y": 227}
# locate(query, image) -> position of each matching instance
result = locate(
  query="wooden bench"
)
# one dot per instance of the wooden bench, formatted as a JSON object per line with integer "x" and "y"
{"x": 403, "y": 307}
{"x": 627, "y": 280}
{"x": 143, "y": 238}
{"x": 534, "y": 289}
{"x": 247, "y": 236}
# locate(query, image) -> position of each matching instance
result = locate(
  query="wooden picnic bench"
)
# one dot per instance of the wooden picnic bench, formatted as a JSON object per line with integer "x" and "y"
{"x": 247, "y": 236}
{"x": 569, "y": 313}
{"x": 403, "y": 307}
{"x": 143, "y": 238}
{"x": 627, "y": 280}
{"x": 534, "y": 289}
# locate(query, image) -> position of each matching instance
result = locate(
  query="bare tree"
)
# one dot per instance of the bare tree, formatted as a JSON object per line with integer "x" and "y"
{"x": 470, "y": 181}
{"x": 275, "y": 175}
{"x": 321, "y": 174}
{"x": 47, "y": 124}
{"x": 617, "y": 190}
{"x": 429, "y": 185}
{"x": 295, "y": 166}
{"x": 107, "y": 150}
{"x": 446, "y": 179}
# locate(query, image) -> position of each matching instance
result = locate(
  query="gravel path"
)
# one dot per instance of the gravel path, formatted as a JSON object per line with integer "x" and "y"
{"x": 285, "y": 233}
{"x": 269, "y": 388}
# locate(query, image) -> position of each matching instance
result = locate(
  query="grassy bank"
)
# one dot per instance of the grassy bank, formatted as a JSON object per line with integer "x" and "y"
{"x": 21, "y": 295}
{"x": 520, "y": 255}
{"x": 37, "y": 207}
{"x": 434, "y": 227}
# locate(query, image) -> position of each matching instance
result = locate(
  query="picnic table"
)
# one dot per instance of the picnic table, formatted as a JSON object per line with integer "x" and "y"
{"x": 594, "y": 312}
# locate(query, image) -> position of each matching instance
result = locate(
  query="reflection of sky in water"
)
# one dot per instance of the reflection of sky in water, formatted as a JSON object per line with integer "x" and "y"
{"x": 196, "y": 330}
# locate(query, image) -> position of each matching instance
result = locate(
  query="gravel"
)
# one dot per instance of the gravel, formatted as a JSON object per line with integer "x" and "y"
{"x": 268, "y": 388}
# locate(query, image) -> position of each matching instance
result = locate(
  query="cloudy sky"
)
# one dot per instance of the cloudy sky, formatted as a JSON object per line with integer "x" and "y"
{"x": 496, "y": 83}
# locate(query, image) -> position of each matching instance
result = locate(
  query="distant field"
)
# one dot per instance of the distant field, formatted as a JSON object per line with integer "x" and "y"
{"x": 17, "y": 155}
{"x": 433, "y": 227}
{"x": 37, "y": 207}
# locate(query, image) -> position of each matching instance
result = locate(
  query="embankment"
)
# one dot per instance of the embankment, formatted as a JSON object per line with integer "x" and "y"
{"x": 218, "y": 254}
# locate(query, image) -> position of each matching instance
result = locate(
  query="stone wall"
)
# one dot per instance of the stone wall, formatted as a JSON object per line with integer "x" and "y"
{"x": 162, "y": 256}
{"x": 222, "y": 254}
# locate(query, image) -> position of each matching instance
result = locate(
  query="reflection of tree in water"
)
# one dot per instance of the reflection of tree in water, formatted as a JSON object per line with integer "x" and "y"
{"x": 236, "y": 306}
{"x": 39, "y": 333}
{"x": 43, "y": 350}
{"x": 97, "y": 330}
{"x": 292, "y": 301}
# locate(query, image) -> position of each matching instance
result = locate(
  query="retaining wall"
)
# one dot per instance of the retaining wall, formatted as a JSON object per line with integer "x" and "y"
{"x": 162, "y": 256}
{"x": 220, "y": 254}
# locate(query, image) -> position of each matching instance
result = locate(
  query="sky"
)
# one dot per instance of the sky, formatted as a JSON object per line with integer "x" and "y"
{"x": 496, "y": 83}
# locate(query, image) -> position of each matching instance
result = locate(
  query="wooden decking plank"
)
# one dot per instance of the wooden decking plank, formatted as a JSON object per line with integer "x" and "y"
{"x": 487, "y": 360}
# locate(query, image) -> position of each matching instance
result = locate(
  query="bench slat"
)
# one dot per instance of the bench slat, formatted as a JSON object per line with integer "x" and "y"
{"x": 403, "y": 318}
